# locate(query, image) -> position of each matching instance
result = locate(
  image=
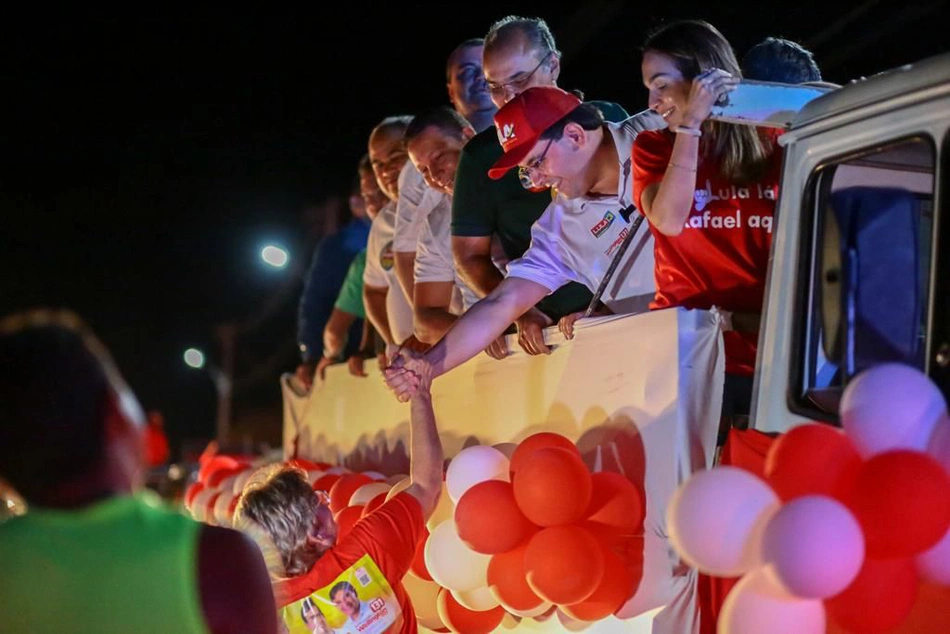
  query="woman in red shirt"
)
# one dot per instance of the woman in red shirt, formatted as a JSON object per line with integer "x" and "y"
{"x": 708, "y": 190}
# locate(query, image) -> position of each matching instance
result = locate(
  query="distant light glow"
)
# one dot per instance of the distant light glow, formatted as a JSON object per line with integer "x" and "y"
{"x": 195, "y": 358}
{"x": 275, "y": 256}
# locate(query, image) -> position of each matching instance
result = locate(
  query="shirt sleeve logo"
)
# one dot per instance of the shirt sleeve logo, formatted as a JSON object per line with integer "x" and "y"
{"x": 604, "y": 224}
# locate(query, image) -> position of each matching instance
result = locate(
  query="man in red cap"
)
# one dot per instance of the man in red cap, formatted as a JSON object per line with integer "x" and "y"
{"x": 520, "y": 53}
{"x": 559, "y": 142}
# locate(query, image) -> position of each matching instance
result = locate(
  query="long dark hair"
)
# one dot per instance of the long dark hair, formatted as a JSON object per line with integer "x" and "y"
{"x": 697, "y": 46}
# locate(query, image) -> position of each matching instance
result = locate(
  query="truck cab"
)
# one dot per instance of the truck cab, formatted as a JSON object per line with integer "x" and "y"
{"x": 861, "y": 253}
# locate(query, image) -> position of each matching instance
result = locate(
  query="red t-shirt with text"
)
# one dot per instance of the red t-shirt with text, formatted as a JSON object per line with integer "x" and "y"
{"x": 721, "y": 256}
{"x": 389, "y": 535}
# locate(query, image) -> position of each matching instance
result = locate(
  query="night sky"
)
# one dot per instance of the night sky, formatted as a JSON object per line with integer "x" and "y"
{"x": 151, "y": 156}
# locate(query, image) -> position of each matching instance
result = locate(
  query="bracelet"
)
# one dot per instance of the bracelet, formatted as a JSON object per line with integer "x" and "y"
{"x": 690, "y": 131}
{"x": 682, "y": 167}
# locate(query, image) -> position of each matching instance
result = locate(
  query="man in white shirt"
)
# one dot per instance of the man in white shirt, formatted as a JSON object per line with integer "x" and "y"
{"x": 434, "y": 140}
{"x": 468, "y": 93}
{"x": 557, "y": 141}
{"x": 386, "y": 305}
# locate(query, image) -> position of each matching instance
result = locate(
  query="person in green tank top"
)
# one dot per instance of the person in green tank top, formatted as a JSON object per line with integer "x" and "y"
{"x": 94, "y": 553}
{"x": 520, "y": 53}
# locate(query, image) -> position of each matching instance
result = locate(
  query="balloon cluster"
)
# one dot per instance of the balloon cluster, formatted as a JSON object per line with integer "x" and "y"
{"x": 525, "y": 530}
{"x": 844, "y": 527}
{"x": 213, "y": 497}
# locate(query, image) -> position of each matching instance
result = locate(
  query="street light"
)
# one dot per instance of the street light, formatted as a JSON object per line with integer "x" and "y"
{"x": 195, "y": 358}
{"x": 275, "y": 256}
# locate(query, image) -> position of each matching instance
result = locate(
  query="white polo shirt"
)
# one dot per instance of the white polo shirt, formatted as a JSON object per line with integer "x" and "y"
{"x": 416, "y": 200}
{"x": 381, "y": 272}
{"x": 576, "y": 239}
{"x": 434, "y": 262}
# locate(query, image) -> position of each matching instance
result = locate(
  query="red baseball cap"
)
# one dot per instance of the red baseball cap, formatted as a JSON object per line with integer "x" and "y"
{"x": 521, "y": 121}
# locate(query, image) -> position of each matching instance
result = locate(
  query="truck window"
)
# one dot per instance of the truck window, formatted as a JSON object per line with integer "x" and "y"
{"x": 867, "y": 253}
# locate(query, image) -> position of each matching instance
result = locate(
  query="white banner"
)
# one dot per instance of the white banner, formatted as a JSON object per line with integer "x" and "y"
{"x": 640, "y": 395}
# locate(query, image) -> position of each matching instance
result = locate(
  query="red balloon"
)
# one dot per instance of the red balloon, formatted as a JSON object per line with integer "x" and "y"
{"x": 218, "y": 476}
{"x": 418, "y": 565}
{"x": 460, "y": 619}
{"x": 553, "y": 487}
{"x": 902, "y": 501}
{"x": 879, "y": 598}
{"x": 346, "y": 520}
{"x": 564, "y": 564}
{"x": 616, "y": 504}
{"x": 306, "y": 465}
{"x": 489, "y": 520}
{"x": 209, "y": 507}
{"x": 375, "y": 503}
{"x": 813, "y": 459}
{"x": 615, "y": 587}
{"x": 508, "y": 582}
{"x": 193, "y": 489}
{"x": 326, "y": 482}
{"x": 627, "y": 547}
{"x": 214, "y": 464}
{"x": 539, "y": 441}
{"x": 344, "y": 488}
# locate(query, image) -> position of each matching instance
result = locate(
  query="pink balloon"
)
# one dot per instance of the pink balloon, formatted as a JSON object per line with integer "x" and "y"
{"x": 815, "y": 547}
{"x": 891, "y": 406}
{"x": 939, "y": 445}
{"x": 756, "y": 605}
{"x": 715, "y": 520}
{"x": 934, "y": 563}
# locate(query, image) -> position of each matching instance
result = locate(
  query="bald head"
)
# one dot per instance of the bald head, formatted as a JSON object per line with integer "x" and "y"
{"x": 387, "y": 153}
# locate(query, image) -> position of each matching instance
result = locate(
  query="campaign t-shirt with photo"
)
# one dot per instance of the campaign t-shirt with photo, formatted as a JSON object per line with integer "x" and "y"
{"x": 721, "y": 256}
{"x": 369, "y": 562}
{"x": 577, "y": 239}
{"x": 380, "y": 272}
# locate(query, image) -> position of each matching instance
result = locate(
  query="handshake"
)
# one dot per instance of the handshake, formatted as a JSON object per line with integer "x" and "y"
{"x": 409, "y": 374}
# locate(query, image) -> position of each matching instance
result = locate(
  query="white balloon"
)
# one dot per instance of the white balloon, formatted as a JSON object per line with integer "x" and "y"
{"x": 473, "y": 465}
{"x": 444, "y": 510}
{"x": 451, "y": 563}
{"x": 240, "y": 480}
{"x": 934, "y": 563}
{"x": 199, "y": 505}
{"x": 314, "y": 475}
{"x": 755, "y": 605}
{"x": 507, "y": 448}
{"x": 337, "y": 471}
{"x": 814, "y": 546}
{"x": 221, "y": 515}
{"x": 716, "y": 518}
{"x": 890, "y": 406}
{"x": 374, "y": 475}
{"x": 367, "y": 492}
{"x": 530, "y": 614}
{"x": 424, "y": 596}
{"x": 477, "y": 600}
{"x": 939, "y": 445}
{"x": 396, "y": 479}
{"x": 227, "y": 485}
{"x": 398, "y": 488}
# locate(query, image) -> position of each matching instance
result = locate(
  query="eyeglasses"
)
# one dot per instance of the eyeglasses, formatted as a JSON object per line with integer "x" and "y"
{"x": 517, "y": 85}
{"x": 524, "y": 171}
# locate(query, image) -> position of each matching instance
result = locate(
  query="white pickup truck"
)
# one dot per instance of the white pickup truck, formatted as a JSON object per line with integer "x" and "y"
{"x": 861, "y": 253}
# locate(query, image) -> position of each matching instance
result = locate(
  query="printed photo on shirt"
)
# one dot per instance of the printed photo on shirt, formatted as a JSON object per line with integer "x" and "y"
{"x": 359, "y": 601}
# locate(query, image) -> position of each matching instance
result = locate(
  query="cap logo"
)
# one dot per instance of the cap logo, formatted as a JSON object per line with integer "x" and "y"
{"x": 507, "y": 132}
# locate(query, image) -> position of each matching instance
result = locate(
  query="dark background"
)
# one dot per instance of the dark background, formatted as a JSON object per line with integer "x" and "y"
{"x": 151, "y": 155}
